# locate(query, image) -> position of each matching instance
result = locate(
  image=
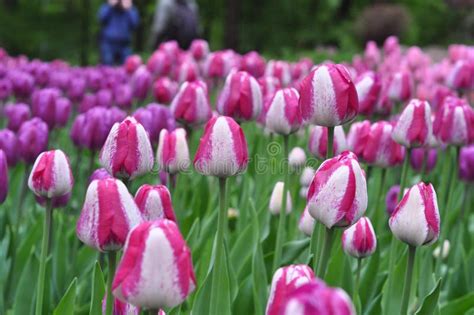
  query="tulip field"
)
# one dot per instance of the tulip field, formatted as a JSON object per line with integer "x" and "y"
{"x": 211, "y": 182}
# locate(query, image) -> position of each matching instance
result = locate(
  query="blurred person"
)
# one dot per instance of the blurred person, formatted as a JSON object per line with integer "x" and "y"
{"x": 118, "y": 19}
{"x": 175, "y": 20}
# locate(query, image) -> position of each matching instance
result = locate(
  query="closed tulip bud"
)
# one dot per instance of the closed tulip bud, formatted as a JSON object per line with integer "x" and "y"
{"x": 241, "y": 97}
{"x": 415, "y": 220}
{"x": 127, "y": 152}
{"x": 187, "y": 71}
{"x": 22, "y": 84}
{"x": 51, "y": 175}
{"x": 173, "y": 154}
{"x": 368, "y": 87}
{"x": 297, "y": 158}
{"x": 329, "y": 301}
{"x": 5, "y": 89}
{"x": 100, "y": 173}
{"x": 466, "y": 164}
{"x": 380, "y": 149}
{"x": 123, "y": 96}
{"x": 284, "y": 281}
{"x": 76, "y": 89}
{"x": 391, "y": 200}
{"x": 357, "y": 137}
{"x": 301, "y": 69}
{"x": 307, "y": 176}
{"x": 391, "y": 45}
{"x": 400, "y": 87}
{"x": 454, "y": 122}
{"x": 283, "y": 115}
{"x": 9, "y": 145}
{"x": 318, "y": 141}
{"x": 156, "y": 270}
{"x": 63, "y": 111}
{"x": 162, "y": 118}
{"x": 199, "y": 49}
{"x": 338, "y": 193}
{"x": 32, "y": 139}
{"x": 414, "y": 126}
{"x": 328, "y": 96}
{"x": 44, "y": 105}
{"x": 159, "y": 63}
{"x": 276, "y": 199}
{"x": 253, "y": 63}
{"x": 306, "y": 223}
{"x": 222, "y": 150}
{"x": 423, "y": 156}
{"x": 155, "y": 203}
{"x": 372, "y": 54}
{"x": 3, "y": 177}
{"x": 132, "y": 63}
{"x": 359, "y": 240}
{"x": 216, "y": 65}
{"x": 16, "y": 114}
{"x": 87, "y": 102}
{"x": 164, "y": 90}
{"x": 191, "y": 104}
{"x": 279, "y": 69}
{"x": 141, "y": 83}
{"x": 104, "y": 98}
{"x": 108, "y": 214}
{"x": 461, "y": 75}
{"x": 269, "y": 86}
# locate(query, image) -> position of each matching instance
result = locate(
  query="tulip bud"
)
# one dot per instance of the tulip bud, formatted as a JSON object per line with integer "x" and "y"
{"x": 16, "y": 114}
{"x": 415, "y": 220}
{"x": 307, "y": 176}
{"x": 338, "y": 193}
{"x": 141, "y": 82}
{"x": 420, "y": 156}
{"x": 306, "y": 223}
{"x": 279, "y": 69}
{"x": 76, "y": 89}
{"x": 329, "y": 301}
{"x": 159, "y": 63}
{"x": 357, "y": 137}
{"x": 359, "y": 240}
{"x": 187, "y": 71}
{"x": 372, "y": 54}
{"x": 9, "y": 145}
{"x": 44, "y": 105}
{"x": 63, "y": 111}
{"x": 191, "y": 104}
{"x": 391, "y": 45}
{"x": 466, "y": 164}
{"x": 284, "y": 281}
{"x": 222, "y": 150}
{"x": 164, "y": 90}
{"x": 461, "y": 75}
{"x": 5, "y": 89}
{"x": 51, "y": 175}
{"x": 3, "y": 177}
{"x": 108, "y": 215}
{"x": 173, "y": 154}
{"x": 199, "y": 49}
{"x": 155, "y": 203}
{"x": 442, "y": 251}
{"x": 301, "y": 69}
{"x": 400, "y": 87}
{"x": 132, "y": 63}
{"x": 253, "y": 63}
{"x": 414, "y": 126}
{"x": 100, "y": 173}
{"x": 241, "y": 97}
{"x": 32, "y": 139}
{"x": 380, "y": 150}
{"x": 318, "y": 141}
{"x": 297, "y": 158}
{"x": 216, "y": 65}
{"x": 123, "y": 96}
{"x": 283, "y": 115}
{"x": 454, "y": 122}
{"x": 127, "y": 152}
{"x": 328, "y": 96}
{"x": 155, "y": 251}
{"x": 276, "y": 199}
{"x": 368, "y": 88}
{"x": 269, "y": 86}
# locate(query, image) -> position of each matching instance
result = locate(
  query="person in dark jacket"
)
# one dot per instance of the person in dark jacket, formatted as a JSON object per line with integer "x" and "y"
{"x": 118, "y": 19}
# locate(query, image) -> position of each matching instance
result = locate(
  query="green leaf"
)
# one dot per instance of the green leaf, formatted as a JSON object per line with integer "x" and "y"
{"x": 203, "y": 296}
{"x": 367, "y": 287}
{"x": 259, "y": 274}
{"x": 458, "y": 306}
{"x": 66, "y": 305}
{"x": 26, "y": 289}
{"x": 395, "y": 299}
{"x": 430, "y": 302}
{"x": 98, "y": 290}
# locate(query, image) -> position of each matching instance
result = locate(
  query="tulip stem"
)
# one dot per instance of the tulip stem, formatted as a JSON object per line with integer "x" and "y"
{"x": 217, "y": 270}
{"x": 44, "y": 253}
{"x": 282, "y": 219}
{"x": 355, "y": 294}
{"x": 329, "y": 152}
{"x": 403, "y": 178}
{"x": 326, "y": 252}
{"x": 110, "y": 277}
{"x": 408, "y": 279}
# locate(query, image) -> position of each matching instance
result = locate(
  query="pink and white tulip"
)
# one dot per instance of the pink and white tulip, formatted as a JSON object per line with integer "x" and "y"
{"x": 191, "y": 104}
{"x": 276, "y": 199}
{"x": 414, "y": 126}
{"x": 454, "y": 122}
{"x": 155, "y": 203}
{"x": 283, "y": 115}
{"x": 173, "y": 154}
{"x": 461, "y": 75}
{"x": 306, "y": 223}
{"x": 359, "y": 240}
{"x": 380, "y": 149}
{"x": 318, "y": 141}
{"x": 368, "y": 88}
{"x": 400, "y": 87}
{"x": 357, "y": 137}
{"x": 279, "y": 69}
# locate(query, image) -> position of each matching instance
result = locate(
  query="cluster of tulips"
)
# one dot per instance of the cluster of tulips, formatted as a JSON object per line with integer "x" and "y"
{"x": 141, "y": 122}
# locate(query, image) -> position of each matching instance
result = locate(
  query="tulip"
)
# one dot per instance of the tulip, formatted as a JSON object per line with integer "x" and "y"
{"x": 132, "y": 63}
{"x": 76, "y": 89}
{"x": 283, "y": 115}
{"x": 16, "y": 114}
{"x": 400, "y": 87}
{"x": 141, "y": 83}
{"x": 318, "y": 141}
{"x": 100, "y": 173}
{"x": 414, "y": 126}
{"x": 199, "y": 49}
{"x": 104, "y": 98}
{"x": 159, "y": 63}
{"x": 187, "y": 71}
{"x": 191, "y": 104}
{"x": 368, "y": 88}
{"x": 306, "y": 223}
{"x": 9, "y": 144}
{"x": 285, "y": 280}
{"x": 276, "y": 199}
{"x": 44, "y": 105}
{"x": 5, "y": 89}
{"x": 22, "y": 84}
{"x": 241, "y": 97}
{"x": 357, "y": 137}
{"x": 454, "y": 122}
{"x": 173, "y": 153}
{"x": 88, "y": 101}
{"x": 216, "y": 66}
{"x": 423, "y": 160}
{"x": 3, "y": 177}
{"x": 280, "y": 70}
{"x": 155, "y": 250}
{"x": 359, "y": 240}
{"x": 466, "y": 164}
{"x": 127, "y": 152}
{"x": 337, "y": 197}
{"x": 391, "y": 45}
{"x": 123, "y": 96}
{"x": 307, "y": 176}
{"x": 155, "y": 203}
{"x": 253, "y": 63}
{"x": 154, "y": 118}
{"x": 63, "y": 111}
{"x": 301, "y": 69}
{"x": 372, "y": 54}
{"x": 269, "y": 86}
{"x": 461, "y": 75}
{"x": 328, "y": 96}
{"x": 297, "y": 158}
{"x": 442, "y": 251}
{"x": 329, "y": 301}
{"x": 164, "y": 90}
{"x": 380, "y": 150}
{"x": 391, "y": 200}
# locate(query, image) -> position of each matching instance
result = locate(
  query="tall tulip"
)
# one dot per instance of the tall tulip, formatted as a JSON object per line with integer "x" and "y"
{"x": 191, "y": 104}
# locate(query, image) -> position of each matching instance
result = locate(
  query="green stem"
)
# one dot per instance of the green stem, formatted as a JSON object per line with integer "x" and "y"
{"x": 355, "y": 293}
{"x": 326, "y": 252}
{"x": 329, "y": 152}
{"x": 282, "y": 219}
{"x": 403, "y": 179}
{"x": 408, "y": 279}
{"x": 44, "y": 254}
{"x": 217, "y": 271}
{"x": 110, "y": 277}
{"x": 314, "y": 245}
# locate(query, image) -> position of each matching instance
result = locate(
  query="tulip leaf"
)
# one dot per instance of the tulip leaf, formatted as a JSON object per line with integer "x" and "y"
{"x": 394, "y": 298}
{"x": 260, "y": 281}
{"x": 67, "y": 303}
{"x": 26, "y": 287}
{"x": 98, "y": 290}
{"x": 459, "y": 306}
{"x": 367, "y": 286}
{"x": 293, "y": 249}
{"x": 430, "y": 302}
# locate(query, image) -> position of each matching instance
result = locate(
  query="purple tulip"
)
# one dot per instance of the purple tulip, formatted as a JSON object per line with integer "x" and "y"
{"x": 63, "y": 111}
{"x": 162, "y": 118}
{"x": 16, "y": 114}
{"x": 391, "y": 201}
{"x": 421, "y": 155}
{"x": 59, "y": 80}
{"x": 5, "y": 89}
{"x": 100, "y": 173}
{"x": 94, "y": 79}
{"x": 44, "y": 105}
{"x": 22, "y": 83}
{"x": 104, "y": 98}
{"x": 141, "y": 83}
{"x": 466, "y": 163}
{"x": 87, "y": 102}
{"x": 32, "y": 139}
{"x": 9, "y": 144}
{"x": 123, "y": 96}
{"x": 76, "y": 89}
{"x": 3, "y": 177}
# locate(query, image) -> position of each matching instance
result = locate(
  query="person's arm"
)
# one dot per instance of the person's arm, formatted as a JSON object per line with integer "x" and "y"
{"x": 104, "y": 13}
{"x": 133, "y": 17}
